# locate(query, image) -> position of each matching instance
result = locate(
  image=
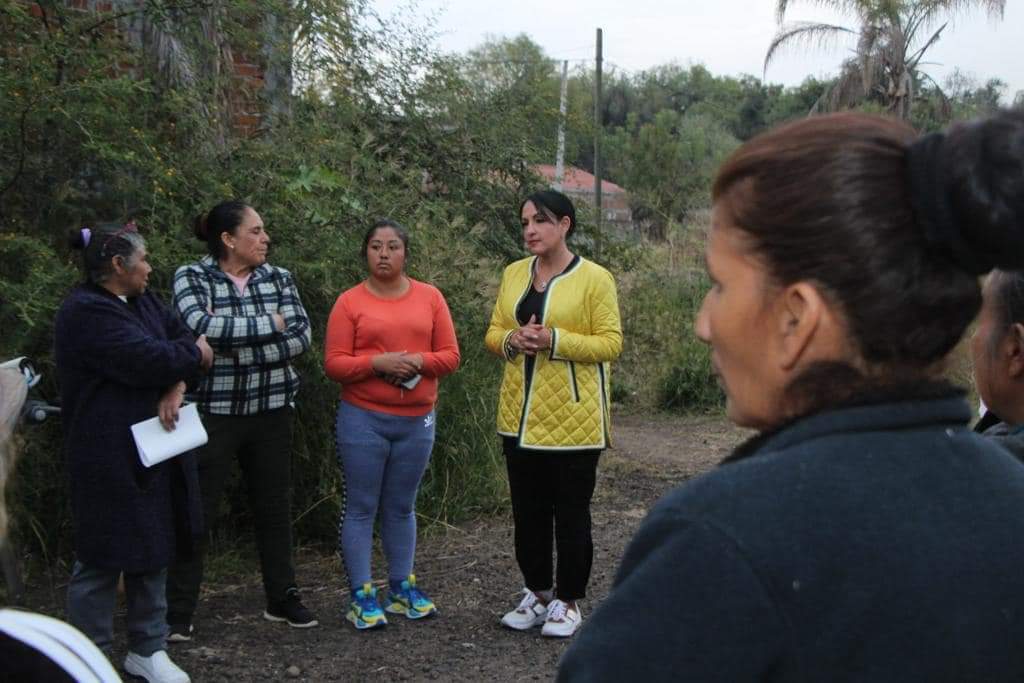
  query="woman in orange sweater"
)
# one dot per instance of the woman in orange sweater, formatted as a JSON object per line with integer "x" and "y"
{"x": 389, "y": 339}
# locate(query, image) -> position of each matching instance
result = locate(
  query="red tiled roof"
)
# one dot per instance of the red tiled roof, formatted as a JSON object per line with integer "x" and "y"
{"x": 577, "y": 180}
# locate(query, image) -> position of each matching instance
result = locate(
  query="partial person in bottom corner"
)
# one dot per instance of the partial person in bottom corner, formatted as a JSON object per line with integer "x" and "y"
{"x": 997, "y": 351}
{"x": 866, "y": 533}
{"x": 122, "y": 357}
{"x": 35, "y": 648}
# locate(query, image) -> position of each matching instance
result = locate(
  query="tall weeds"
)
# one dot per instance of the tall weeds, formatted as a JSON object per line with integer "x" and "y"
{"x": 664, "y": 365}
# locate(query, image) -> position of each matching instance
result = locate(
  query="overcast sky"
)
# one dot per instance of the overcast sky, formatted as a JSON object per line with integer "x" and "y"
{"x": 729, "y": 37}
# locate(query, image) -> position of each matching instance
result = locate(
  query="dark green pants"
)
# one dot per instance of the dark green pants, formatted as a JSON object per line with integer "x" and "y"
{"x": 262, "y": 446}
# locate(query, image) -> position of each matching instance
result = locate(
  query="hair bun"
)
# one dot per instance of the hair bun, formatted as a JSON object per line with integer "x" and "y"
{"x": 968, "y": 187}
{"x": 933, "y": 211}
{"x": 199, "y": 226}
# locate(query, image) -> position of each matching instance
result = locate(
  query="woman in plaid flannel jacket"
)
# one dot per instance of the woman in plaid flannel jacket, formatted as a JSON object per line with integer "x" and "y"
{"x": 253, "y": 318}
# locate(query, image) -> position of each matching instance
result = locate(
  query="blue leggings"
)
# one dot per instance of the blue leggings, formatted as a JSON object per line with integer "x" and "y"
{"x": 383, "y": 458}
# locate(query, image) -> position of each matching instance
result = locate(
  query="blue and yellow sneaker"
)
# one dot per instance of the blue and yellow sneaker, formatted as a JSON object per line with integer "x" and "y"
{"x": 405, "y": 598}
{"x": 364, "y": 612}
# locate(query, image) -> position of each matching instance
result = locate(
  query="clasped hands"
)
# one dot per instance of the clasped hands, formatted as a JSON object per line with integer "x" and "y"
{"x": 531, "y": 338}
{"x": 395, "y": 367}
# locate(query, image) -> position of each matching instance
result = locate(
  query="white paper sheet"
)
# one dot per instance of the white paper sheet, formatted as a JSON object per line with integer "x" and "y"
{"x": 156, "y": 444}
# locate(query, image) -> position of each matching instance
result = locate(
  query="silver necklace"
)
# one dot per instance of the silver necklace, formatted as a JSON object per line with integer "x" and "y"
{"x": 541, "y": 285}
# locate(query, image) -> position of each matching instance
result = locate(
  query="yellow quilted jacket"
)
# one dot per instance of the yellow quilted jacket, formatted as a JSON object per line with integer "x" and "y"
{"x": 569, "y": 404}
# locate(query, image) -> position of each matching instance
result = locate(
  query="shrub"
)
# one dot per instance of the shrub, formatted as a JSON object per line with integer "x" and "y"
{"x": 664, "y": 365}
{"x": 94, "y": 145}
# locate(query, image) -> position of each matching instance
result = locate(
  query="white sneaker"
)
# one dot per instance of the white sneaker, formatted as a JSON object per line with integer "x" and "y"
{"x": 531, "y": 612}
{"x": 157, "y": 668}
{"x": 562, "y": 621}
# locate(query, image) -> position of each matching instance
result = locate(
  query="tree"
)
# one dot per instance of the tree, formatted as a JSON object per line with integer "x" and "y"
{"x": 667, "y": 164}
{"x": 514, "y": 74}
{"x": 382, "y": 126}
{"x": 892, "y": 37}
{"x": 961, "y": 98}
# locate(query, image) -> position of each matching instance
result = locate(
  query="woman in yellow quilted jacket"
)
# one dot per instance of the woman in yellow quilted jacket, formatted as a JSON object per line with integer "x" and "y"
{"x": 556, "y": 324}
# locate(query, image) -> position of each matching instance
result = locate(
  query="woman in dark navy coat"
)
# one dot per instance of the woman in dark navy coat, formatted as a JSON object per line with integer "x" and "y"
{"x": 122, "y": 357}
{"x": 866, "y": 534}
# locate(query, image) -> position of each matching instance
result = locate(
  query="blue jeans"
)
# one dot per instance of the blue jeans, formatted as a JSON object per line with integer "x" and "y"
{"x": 92, "y": 595}
{"x": 383, "y": 458}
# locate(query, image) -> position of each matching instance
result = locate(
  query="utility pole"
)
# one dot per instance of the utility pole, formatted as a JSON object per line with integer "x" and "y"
{"x": 562, "y": 104}
{"x": 597, "y": 145}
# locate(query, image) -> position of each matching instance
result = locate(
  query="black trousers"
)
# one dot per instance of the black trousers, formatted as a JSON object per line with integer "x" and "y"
{"x": 262, "y": 445}
{"x": 552, "y": 489}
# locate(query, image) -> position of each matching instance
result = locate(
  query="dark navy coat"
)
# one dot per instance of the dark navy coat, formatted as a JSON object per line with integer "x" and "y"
{"x": 114, "y": 360}
{"x": 874, "y": 543}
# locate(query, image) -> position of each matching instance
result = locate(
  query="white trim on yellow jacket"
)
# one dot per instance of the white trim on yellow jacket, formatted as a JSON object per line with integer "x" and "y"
{"x": 581, "y": 309}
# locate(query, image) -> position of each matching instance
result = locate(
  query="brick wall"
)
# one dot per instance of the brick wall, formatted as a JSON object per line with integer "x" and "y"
{"x": 246, "y": 108}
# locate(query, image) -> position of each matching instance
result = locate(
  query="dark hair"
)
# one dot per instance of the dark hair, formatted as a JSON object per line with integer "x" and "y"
{"x": 225, "y": 217}
{"x": 893, "y": 229}
{"x": 555, "y": 204}
{"x": 400, "y": 230}
{"x": 99, "y": 245}
{"x": 1006, "y": 296}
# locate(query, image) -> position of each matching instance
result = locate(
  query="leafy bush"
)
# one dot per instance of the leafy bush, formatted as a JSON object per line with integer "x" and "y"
{"x": 668, "y": 164}
{"x": 395, "y": 132}
{"x": 664, "y": 364}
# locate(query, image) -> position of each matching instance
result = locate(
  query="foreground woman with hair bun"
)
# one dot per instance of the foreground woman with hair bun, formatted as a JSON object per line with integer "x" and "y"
{"x": 865, "y": 534}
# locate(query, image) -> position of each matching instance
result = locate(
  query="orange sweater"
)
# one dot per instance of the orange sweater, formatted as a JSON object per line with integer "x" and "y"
{"x": 363, "y": 325}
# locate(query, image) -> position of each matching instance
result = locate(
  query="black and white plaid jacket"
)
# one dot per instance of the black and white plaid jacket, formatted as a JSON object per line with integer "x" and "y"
{"x": 252, "y": 371}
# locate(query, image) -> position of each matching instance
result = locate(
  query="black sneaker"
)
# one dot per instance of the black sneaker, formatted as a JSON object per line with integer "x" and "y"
{"x": 181, "y": 631}
{"x": 291, "y": 610}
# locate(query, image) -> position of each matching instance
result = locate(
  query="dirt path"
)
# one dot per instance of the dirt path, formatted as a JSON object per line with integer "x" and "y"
{"x": 469, "y": 571}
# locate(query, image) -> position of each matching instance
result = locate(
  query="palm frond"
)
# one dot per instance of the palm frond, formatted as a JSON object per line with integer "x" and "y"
{"x": 888, "y": 51}
{"x": 172, "y": 59}
{"x": 913, "y": 60}
{"x": 993, "y": 8}
{"x": 913, "y": 22}
{"x": 857, "y": 7}
{"x": 157, "y": 35}
{"x": 927, "y": 12}
{"x": 897, "y": 42}
{"x": 804, "y": 33}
